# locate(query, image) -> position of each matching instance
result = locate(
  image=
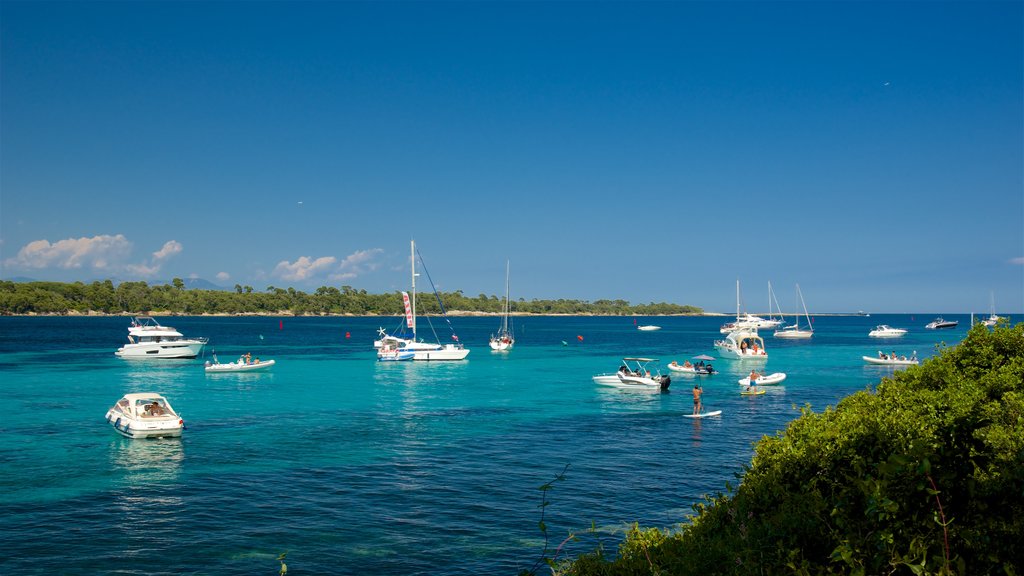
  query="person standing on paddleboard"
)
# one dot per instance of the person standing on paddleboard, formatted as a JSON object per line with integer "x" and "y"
{"x": 697, "y": 406}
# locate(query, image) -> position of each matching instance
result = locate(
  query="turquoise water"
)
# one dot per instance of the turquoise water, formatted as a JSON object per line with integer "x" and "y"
{"x": 351, "y": 465}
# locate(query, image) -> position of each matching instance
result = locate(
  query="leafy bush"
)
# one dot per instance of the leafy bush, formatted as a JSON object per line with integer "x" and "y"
{"x": 923, "y": 475}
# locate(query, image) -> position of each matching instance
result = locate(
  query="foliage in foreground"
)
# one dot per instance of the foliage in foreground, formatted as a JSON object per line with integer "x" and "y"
{"x": 139, "y": 297}
{"x": 925, "y": 475}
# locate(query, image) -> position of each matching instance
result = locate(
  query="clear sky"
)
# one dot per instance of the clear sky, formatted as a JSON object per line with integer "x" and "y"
{"x": 871, "y": 151}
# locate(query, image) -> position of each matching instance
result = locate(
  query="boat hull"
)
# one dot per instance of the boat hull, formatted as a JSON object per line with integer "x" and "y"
{"x": 794, "y": 334}
{"x": 883, "y": 361}
{"x": 500, "y": 345}
{"x": 235, "y": 367}
{"x": 183, "y": 349}
{"x": 131, "y": 428}
{"x": 766, "y": 380}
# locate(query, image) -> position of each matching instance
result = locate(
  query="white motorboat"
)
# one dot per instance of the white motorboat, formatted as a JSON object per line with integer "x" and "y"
{"x": 505, "y": 338}
{"x": 648, "y": 328}
{"x": 794, "y": 331}
{"x": 402, "y": 344}
{"x": 634, "y": 374}
{"x": 764, "y": 379}
{"x": 892, "y": 359}
{"x": 243, "y": 364}
{"x": 690, "y": 369}
{"x": 886, "y": 331}
{"x": 940, "y": 323}
{"x": 742, "y": 344}
{"x": 145, "y": 415}
{"x": 747, "y": 321}
{"x": 148, "y": 339}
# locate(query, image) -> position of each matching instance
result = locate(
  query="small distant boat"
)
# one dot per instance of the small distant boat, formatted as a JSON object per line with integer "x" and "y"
{"x": 794, "y": 331}
{"x": 940, "y": 323}
{"x": 504, "y": 339}
{"x": 634, "y": 374}
{"x": 648, "y": 328}
{"x": 148, "y": 339}
{"x": 239, "y": 366}
{"x": 992, "y": 319}
{"x": 892, "y": 359}
{"x": 145, "y": 415}
{"x": 764, "y": 379}
{"x": 744, "y": 345}
{"x": 885, "y": 331}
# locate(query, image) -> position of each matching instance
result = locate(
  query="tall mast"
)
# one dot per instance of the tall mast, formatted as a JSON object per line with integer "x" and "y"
{"x": 737, "y": 299}
{"x": 504, "y": 323}
{"x": 412, "y": 260}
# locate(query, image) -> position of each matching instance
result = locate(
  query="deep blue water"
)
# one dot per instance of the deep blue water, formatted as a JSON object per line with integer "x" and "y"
{"x": 355, "y": 466}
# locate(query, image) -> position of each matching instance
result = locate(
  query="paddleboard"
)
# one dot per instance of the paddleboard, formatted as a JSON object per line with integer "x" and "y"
{"x": 753, "y": 392}
{"x": 703, "y": 414}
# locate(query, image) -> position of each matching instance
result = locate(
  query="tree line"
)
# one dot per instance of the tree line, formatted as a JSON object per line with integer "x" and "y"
{"x": 139, "y": 297}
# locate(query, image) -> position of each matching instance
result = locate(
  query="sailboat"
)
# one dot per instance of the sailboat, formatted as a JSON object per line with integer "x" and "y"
{"x": 794, "y": 331}
{"x": 504, "y": 339}
{"x": 748, "y": 321}
{"x": 399, "y": 347}
{"x": 992, "y": 319}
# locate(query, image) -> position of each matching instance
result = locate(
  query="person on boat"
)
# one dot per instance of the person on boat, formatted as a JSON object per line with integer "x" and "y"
{"x": 155, "y": 409}
{"x": 686, "y": 364}
{"x": 708, "y": 368}
{"x": 673, "y": 363}
{"x": 893, "y": 355}
{"x": 697, "y": 405}
{"x": 743, "y": 347}
{"x": 701, "y": 364}
{"x": 754, "y": 348}
{"x": 881, "y": 356}
{"x": 248, "y": 358}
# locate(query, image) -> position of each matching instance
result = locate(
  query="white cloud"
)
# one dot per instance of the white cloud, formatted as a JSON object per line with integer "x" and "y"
{"x": 170, "y": 248}
{"x": 304, "y": 268}
{"x": 357, "y": 263}
{"x": 223, "y": 276}
{"x": 1018, "y": 260}
{"x": 103, "y": 252}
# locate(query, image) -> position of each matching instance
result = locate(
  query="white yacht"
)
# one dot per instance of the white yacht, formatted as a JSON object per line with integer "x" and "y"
{"x": 747, "y": 321}
{"x": 145, "y": 415}
{"x": 742, "y": 344}
{"x": 992, "y": 319}
{"x": 398, "y": 346}
{"x": 940, "y": 323}
{"x": 885, "y": 331}
{"x": 795, "y": 331}
{"x": 148, "y": 339}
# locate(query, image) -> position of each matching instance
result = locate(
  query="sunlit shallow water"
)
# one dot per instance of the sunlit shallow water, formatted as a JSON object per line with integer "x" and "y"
{"x": 350, "y": 465}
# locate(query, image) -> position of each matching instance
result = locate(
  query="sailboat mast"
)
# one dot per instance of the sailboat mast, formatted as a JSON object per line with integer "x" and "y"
{"x": 737, "y": 299}
{"x": 504, "y": 322}
{"x": 412, "y": 260}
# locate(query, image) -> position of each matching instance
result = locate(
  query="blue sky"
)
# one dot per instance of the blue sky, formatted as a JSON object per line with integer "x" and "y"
{"x": 872, "y": 152}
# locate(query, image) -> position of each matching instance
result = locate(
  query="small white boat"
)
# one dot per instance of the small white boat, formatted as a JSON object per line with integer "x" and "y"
{"x": 241, "y": 365}
{"x": 892, "y": 359}
{"x": 744, "y": 345}
{"x": 885, "y": 331}
{"x": 692, "y": 369}
{"x": 794, "y": 331}
{"x": 764, "y": 379}
{"x": 992, "y": 319}
{"x": 145, "y": 415}
{"x": 504, "y": 339}
{"x": 940, "y": 323}
{"x": 148, "y": 339}
{"x": 634, "y": 374}
{"x": 648, "y": 328}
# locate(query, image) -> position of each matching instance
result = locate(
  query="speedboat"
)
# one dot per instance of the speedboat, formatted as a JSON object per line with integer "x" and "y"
{"x": 241, "y": 365}
{"x": 743, "y": 344}
{"x": 939, "y": 323}
{"x": 145, "y": 415}
{"x": 634, "y": 374}
{"x": 892, "y": 359}
{"x": 885, "y": 331}
{"x": 148, "y": 339}
{"x": 648, "y": 328}
{"x": 764, "y": 379}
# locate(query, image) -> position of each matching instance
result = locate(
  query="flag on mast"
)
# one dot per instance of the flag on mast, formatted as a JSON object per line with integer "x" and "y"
{"x": 408, "y": 309}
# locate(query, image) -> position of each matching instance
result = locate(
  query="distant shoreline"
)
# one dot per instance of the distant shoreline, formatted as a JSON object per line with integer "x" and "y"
{"x": 456, "y": 313}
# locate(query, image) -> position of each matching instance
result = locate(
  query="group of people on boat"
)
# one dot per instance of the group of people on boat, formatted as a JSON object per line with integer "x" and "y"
{"x": 247, "y": 359}
{"x": 753, "y": 349}
{"x": 893, "y": 356}
{"x": 698, "y": 367}
{"x": 639, "y": 374}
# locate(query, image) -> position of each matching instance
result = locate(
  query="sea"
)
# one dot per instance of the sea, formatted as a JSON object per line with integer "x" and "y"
{"x": 348, "y": 465}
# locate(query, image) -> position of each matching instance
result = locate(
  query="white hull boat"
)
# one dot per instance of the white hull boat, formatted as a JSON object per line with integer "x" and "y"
{"x": 689, "y": 369}
{"x": 764, "y": 380}
{"x": 648, "y": 328}
{"x": 742, "y": 345}
{"x": 239, "y": 366}
{"x": 394, "y": 347}
{"x": 902, "y": 361}
{"x": 884, "y": 331}
{"x": 145, "y": 415}
{"x": 634, "y": 374}
{"x": 504, "y": 339}
{"x": 795, "y": 332}
{"x": 148, "y": 339}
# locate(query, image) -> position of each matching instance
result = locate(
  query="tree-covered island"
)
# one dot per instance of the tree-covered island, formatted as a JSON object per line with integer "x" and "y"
{"x": 139, "y": 297}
